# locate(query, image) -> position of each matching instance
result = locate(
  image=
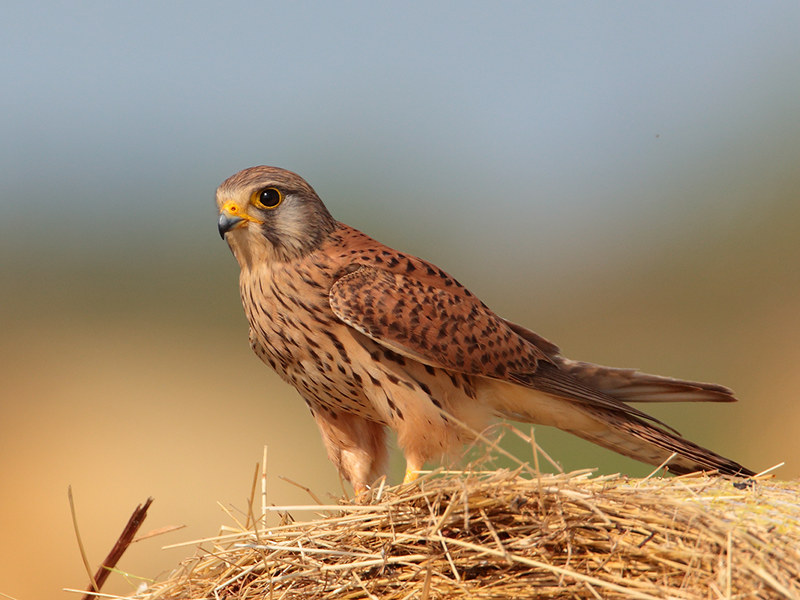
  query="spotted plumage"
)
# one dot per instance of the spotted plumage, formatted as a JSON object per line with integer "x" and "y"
{"x": 374, "y": 338}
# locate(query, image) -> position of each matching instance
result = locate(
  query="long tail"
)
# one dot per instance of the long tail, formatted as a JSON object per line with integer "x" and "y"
{"x": 591, "y": 401}
{"x": 629, "y": 385}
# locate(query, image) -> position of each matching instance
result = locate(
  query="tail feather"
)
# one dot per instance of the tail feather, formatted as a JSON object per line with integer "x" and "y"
{"x": 650, "y": 444}
{"x": 591, "y": 401}
{"x": 629, "y": 385}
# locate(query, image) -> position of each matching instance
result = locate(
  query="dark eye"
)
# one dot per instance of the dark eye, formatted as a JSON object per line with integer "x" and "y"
{"x": 268, "y": 198}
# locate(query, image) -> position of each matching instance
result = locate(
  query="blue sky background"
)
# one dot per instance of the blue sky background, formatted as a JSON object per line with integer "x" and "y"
{"x": 621, "y": 177}
{"x": 527, "y": 115}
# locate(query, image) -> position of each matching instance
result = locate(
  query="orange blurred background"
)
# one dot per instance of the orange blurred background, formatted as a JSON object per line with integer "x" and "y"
{"x": 142, "y": 383}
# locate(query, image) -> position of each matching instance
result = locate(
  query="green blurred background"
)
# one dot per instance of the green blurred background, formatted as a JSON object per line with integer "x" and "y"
{"x": 622, "y": 178}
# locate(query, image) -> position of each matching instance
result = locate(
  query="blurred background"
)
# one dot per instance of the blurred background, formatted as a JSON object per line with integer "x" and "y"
{"x": 622, "y": 178}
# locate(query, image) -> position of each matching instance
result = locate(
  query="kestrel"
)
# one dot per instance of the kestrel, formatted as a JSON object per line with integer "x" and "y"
{"x": 374, "y": 338}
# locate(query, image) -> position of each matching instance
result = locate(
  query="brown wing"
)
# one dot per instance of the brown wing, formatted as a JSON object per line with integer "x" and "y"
{"x": 432, "y": 324}
{"x": 455, "y": 331}
{"x": 543, "y": 344}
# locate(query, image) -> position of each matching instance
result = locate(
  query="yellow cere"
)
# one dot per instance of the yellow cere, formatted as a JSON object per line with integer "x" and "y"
{"x": 232, "y": 208}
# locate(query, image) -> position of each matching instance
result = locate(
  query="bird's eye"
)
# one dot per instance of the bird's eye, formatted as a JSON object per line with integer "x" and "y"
{"x": 268, "y": 198}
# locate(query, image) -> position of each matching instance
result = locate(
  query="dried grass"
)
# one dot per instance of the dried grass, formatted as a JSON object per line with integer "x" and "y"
{"x": 512, "y": 534}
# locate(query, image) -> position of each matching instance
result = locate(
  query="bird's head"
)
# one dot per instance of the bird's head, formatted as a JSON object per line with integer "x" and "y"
{"x": 270, "y": 214}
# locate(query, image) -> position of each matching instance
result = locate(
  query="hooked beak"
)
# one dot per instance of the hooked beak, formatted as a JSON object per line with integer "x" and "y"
{"x": 227, "y": 222}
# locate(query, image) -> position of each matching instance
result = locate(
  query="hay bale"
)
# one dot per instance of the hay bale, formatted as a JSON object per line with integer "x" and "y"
{"x": 500, "y": 534}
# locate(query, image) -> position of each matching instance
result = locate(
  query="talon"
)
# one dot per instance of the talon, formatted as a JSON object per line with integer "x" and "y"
{"x": 411, "y": 475}
{"x": 362, "y": 495}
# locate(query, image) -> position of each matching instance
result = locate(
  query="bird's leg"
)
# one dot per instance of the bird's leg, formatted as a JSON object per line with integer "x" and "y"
{"x": 413, "y": 467}
{"x": 356, "y": 447}
{"x": 361, "y": 493}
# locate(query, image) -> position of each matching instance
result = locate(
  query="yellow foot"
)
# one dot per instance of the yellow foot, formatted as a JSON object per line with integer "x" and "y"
{"x": 411, "y": 475}
{"x": 362, "y": 494}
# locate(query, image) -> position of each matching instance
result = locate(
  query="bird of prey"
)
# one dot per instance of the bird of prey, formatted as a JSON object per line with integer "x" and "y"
{"x": 374, "y": 338}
